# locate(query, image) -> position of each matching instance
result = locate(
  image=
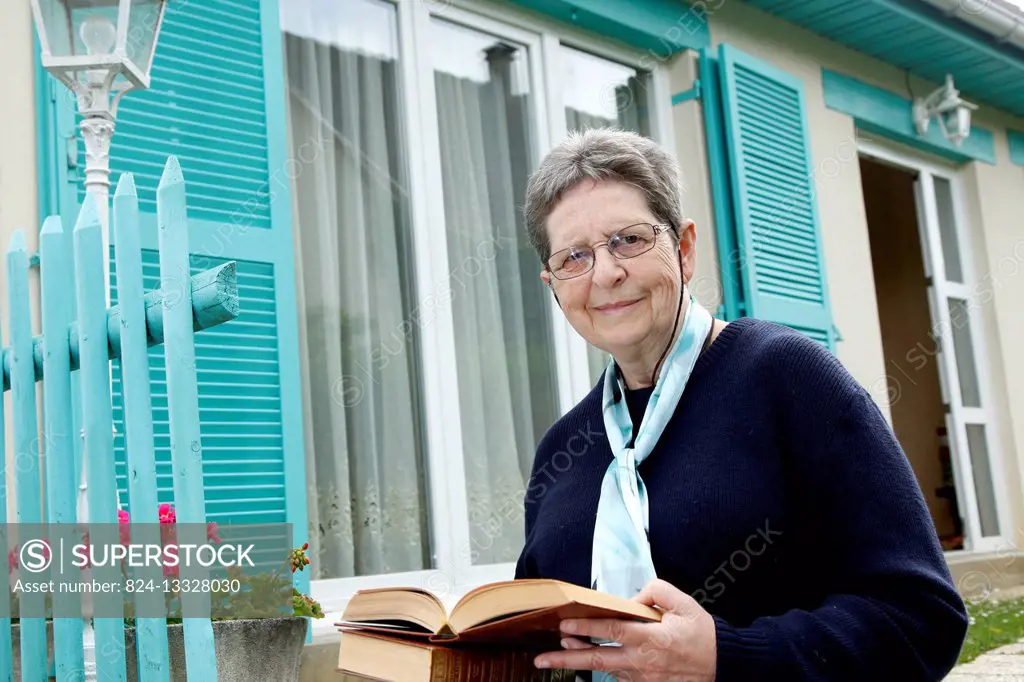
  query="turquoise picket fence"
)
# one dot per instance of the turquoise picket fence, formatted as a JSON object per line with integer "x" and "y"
{"x": 170, "y": 316}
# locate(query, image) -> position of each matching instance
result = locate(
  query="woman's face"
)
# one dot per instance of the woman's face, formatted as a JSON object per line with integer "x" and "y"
{"x": 620, "y": 306}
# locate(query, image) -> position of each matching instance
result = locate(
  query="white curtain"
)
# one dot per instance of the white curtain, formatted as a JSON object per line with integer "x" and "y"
{"x": 507, "y": 391}
{"x": 364, "y": 455}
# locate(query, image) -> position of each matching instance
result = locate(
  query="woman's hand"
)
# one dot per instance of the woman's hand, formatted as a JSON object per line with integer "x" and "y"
{"x": 680, "y": 648}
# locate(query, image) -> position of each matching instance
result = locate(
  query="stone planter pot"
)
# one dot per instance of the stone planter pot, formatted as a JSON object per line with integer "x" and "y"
{"x": 260, "y": 650}
{"x": 16, "y": 648}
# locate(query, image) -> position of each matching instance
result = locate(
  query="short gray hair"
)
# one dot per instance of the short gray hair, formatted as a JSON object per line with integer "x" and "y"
{"x": 602, "y": 154}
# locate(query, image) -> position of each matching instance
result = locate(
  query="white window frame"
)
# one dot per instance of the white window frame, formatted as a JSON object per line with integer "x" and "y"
{"x": 450, "y": 529}
{"x": 949, "y": 378}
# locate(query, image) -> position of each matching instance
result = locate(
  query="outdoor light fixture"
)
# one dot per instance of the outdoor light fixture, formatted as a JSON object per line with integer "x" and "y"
{"x": 100, "y": 49}
{"x": 952, "y": 112}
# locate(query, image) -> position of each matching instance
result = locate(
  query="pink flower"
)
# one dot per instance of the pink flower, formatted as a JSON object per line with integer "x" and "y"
{"x": 123, "y": 528}
{"x": 167, "y": 513}
{"x": 211, "y": 532}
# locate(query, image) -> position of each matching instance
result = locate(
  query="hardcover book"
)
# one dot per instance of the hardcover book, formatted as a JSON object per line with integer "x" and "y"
{"x": 366, "y": 656}
{"x": 492, "y": 633}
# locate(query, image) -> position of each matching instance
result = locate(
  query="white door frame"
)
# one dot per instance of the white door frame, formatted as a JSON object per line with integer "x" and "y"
{"x": 941, "y": 290}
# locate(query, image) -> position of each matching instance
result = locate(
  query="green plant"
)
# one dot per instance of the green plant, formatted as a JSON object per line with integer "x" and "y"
{"x": 992, "y": 624}
{"x": 261, "y": 595}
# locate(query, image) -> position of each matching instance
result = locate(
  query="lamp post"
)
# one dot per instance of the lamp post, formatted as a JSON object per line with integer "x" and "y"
{"x": 100, "y": 49}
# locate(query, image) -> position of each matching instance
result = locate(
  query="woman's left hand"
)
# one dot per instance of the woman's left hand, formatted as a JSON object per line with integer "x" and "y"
{"x": 680, "y": 648}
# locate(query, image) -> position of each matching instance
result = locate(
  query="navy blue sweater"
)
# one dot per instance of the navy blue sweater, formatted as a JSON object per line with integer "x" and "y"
{"x": 782, "y": 502}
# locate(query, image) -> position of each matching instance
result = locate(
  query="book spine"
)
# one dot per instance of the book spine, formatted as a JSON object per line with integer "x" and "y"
{"x": 441, "y": 665}
{"x": 451, "y": 665}
{"x": 458, "y": 667}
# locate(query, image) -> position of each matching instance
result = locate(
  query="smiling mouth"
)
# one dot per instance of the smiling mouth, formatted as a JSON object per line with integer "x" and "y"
{"x": 616, "y": 307}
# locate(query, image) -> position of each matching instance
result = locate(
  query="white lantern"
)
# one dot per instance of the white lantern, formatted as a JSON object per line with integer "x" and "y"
{"x": 99, "y": 44}
{"x": 952, "y": 113}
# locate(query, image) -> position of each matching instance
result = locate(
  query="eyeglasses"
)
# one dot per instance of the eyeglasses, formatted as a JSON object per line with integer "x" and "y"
{"x": 629, "y": 242}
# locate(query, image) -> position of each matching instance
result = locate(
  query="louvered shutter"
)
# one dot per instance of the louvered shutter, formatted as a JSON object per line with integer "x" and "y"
{"x": 207, "y": 105}
{"x": 773, "y": 194}
{"x": 217, "y": 103}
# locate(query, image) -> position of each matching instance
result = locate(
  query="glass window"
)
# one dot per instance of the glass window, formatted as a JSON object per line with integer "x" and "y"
{"x": 365, "y": 443}
{"x": 600, "y": 93}
{"x": 947, "y": 229}
{"x": 984, "y": 487}
{"x": 963, "y": 350}
{"x": 503, "y": 338}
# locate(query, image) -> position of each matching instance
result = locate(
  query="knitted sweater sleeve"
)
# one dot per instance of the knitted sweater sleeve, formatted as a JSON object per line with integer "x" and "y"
{"x": 892, "y": 611}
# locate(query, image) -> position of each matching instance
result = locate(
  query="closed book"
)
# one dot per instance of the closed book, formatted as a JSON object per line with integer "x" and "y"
{"x": 366, "y": 656}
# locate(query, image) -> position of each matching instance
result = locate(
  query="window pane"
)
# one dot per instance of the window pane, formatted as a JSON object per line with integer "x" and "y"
{"x": 983, "y": 485}
{"x": 947, "y": 229}
{"x": 600, "y": 93}
{"x": 503, "y": 339}
{"x": 960, "y": 324}
{"x": 141, "y": 28}
{"x": 365, "y": 444}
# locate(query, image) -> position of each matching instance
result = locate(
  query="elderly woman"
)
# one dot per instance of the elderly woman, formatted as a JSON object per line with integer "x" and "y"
{"x": 734, "y": 476}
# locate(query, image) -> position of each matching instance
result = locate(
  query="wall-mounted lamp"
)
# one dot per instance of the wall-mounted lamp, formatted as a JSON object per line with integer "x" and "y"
{"x": 952, "y": 113}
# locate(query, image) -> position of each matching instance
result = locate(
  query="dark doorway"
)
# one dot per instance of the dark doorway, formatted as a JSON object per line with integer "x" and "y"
{"x": 908, "y": 340}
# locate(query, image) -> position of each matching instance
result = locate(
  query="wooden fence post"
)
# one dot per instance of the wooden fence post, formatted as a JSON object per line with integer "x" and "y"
{"x": 97, "y": 420}
{"x": 6, "y": 651}
{"x": 150, "y": 632}
{"x": 26, "y": 445}
{"x": 61, "y": 485}
{"x": 183, "y": 398}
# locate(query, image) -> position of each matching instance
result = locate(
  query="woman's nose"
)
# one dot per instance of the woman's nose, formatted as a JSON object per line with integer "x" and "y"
{"x": 607, "y": 269}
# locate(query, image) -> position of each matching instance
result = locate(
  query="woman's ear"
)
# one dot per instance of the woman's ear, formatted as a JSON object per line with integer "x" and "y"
{"x": 545, "y": 276}
{"x": 688, "y": 248}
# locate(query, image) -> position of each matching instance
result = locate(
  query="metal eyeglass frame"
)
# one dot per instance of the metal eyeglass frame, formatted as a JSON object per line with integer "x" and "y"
{"x": 658, "y": 230}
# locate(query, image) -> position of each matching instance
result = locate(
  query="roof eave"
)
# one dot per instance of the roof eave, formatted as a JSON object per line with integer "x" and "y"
{"x": 1001, "y": 20}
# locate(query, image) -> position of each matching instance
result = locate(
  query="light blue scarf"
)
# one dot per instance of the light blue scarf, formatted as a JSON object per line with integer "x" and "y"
{"x": 622, "y": 563}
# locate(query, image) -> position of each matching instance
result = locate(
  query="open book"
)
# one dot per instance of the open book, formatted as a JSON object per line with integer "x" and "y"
{"x": 517, "y": 613}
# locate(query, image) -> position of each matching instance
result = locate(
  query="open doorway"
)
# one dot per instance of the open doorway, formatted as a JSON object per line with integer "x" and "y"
{"x": 909, "y": 341}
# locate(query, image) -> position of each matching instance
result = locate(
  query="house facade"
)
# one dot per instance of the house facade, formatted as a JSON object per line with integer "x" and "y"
{"x": 396, "y": 358}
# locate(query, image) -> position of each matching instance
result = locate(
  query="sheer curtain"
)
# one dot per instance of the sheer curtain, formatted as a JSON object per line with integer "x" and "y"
{"x": 367, "y": 503}
{"x": 505, "y": 365}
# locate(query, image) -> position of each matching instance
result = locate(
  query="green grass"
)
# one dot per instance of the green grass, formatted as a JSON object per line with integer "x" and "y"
{"x": 992, "y": 624}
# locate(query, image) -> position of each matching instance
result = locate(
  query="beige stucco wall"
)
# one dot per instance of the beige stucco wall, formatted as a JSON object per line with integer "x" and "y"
{"x": 18, "y": 204}
{"x": 992, "y": 201}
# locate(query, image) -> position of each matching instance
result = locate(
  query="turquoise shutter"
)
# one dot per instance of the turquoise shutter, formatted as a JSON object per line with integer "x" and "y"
{"x": 218, "y": 103}
{"x": 777, "y": 233}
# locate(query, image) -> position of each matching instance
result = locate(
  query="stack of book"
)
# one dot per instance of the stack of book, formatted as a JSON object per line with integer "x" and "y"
{"x": 493, "y": 633}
